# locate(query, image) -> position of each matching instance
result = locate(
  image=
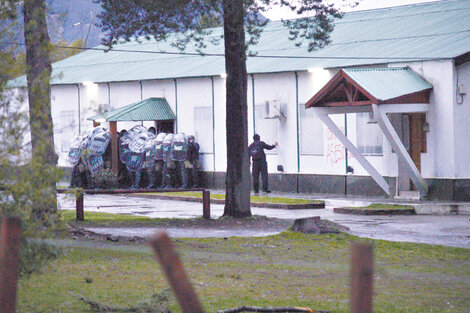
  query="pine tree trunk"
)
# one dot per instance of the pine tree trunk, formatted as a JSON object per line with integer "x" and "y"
{"x": 237, "y": 198}
{"x": 38, "y": 73}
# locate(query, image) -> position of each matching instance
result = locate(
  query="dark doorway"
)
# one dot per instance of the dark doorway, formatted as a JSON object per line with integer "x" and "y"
{"x": 165, "y": 126}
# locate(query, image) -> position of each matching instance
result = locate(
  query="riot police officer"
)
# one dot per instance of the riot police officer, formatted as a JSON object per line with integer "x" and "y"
{"x": 193, "y": 160}
{"x": 159, "y": 155}
{"x": 167, "y": 162}
{"x": 179, "y": 152}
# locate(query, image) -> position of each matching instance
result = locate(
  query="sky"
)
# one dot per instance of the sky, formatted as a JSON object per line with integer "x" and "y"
{"x": 363, "y": 5}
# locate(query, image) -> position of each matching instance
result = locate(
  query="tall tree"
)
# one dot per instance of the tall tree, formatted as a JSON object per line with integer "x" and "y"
{"x": 160, "y": 19}
{"x": 27, "y": 191}
{"x": 38, "y": 74}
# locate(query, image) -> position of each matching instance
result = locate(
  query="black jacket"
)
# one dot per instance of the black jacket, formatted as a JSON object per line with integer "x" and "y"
{"x": 263, "y": 146}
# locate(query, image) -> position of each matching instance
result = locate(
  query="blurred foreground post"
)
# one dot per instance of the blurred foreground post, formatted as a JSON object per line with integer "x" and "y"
{"x": 174, "y": 272}
{"x": 206, "y": 204}
{"x": 9, "y": 259}
{"x": 362, "y": 274}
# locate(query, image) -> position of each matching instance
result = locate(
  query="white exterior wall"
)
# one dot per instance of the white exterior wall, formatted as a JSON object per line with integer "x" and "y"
{"x": 122, "y": 94}
{"x": 158, "y": 89}
{"x": 194, "y": 93}
{"x": 462, "y": 124}
{"x": 220, "y": 130}
{"x": 439, "y": 160}
{"x": 448, "y": 141}
{"x": 64, "y": 98}
{"x": 280, "y": 87}
{"x": 333, "y": 159}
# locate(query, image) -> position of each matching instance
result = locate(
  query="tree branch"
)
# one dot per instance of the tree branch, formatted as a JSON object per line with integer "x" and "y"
{"x": 261, "y": 309}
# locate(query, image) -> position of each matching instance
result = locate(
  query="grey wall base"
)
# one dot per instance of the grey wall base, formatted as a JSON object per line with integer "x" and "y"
{"x": 349, "y": 185}
{"x": 443, "y": 189}
{"x": 309, "y": 183}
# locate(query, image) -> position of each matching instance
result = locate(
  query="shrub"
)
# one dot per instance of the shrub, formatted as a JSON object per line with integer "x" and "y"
{"x": 105, "y": 179}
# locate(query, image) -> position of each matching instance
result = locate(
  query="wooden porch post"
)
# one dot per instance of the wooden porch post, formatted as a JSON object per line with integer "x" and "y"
{"x": 114, "y": 146}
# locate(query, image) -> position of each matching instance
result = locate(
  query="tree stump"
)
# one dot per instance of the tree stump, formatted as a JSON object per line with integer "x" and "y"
{"x": 313, "y": 225}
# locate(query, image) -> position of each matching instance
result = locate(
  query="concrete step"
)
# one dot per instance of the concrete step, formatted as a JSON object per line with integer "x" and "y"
{"x": 408, "y": 195}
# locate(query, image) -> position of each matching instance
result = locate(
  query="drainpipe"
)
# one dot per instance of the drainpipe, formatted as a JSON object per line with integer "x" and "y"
{"x": 176, "y": 105}
{"x": 346, "y": 155}
{"x": 79, "y": 118}
{"x": 297, "y": 125}
{"x": 297, "y": 119}
{"x": 213, "y": 124}
{"x": 109, "y": 93}
{"x": 141, "y": 98}
{"x": 253, "y": 100}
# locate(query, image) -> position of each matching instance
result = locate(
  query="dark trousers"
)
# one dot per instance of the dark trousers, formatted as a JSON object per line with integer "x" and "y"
{"x": 260, "y": 167}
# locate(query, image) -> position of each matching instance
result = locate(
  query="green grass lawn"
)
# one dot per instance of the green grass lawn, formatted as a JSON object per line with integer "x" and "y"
{"x": 107, "y": 219}
{"x": 257, "y": 199}
{"x": 288, "y": 269}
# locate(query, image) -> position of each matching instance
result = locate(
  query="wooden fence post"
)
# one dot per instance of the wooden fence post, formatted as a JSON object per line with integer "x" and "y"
{"x": 206, "y": 204}
{"x": 79, "y": 206}
{"x": 9, "y": 259}
{"x": 174, "y": 272}
{"x": 362, "y": 275}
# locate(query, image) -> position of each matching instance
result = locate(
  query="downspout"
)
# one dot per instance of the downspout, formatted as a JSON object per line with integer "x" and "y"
{"x": 213, "y": 124}
{"x": 141, "y": 97}
{"x": 346, "y": 155}
{"x": 297, "y": 125}
{"x": 176, "y": 105}
{"x": 253, "y": 100}
{"x": 109, "y": 93}
{"x": 79, "y": 117}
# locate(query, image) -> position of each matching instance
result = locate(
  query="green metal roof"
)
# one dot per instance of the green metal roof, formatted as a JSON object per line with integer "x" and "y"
{"x": 151, "y": 109}
{"x": 425, "y": 31}
{"x": 388, "y": 83}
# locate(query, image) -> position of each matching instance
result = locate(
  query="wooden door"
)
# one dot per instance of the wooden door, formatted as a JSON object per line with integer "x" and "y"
{"x": 417, "y": 139}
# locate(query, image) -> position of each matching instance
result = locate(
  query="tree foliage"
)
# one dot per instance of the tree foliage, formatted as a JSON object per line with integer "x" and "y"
{"x": 27, "y": 184}
{"x": 185, "y": 22}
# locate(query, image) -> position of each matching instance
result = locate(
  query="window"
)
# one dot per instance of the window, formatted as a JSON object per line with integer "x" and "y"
{"x": 311, "y": 132}
{"x": 369, "y": 135}
{"x": 203, "y": 128}
{"x": 66, "y": 129}
{"x": 266, "y": 128}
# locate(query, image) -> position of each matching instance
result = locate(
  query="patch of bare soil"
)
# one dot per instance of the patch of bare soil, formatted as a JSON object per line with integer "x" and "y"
{"x": 77, "y": 232}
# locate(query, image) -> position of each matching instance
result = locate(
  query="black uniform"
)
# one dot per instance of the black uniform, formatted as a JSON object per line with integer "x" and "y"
{"x": 260, "y": 166}
{"x": 193, "y": 158}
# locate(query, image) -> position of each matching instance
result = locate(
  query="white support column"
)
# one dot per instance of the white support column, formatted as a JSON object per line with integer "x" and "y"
{"x": 403, "y": 156}
{"x": 352, "y": 148}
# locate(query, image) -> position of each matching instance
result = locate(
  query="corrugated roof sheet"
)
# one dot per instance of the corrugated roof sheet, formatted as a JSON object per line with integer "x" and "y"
{"x": 151, "y": 109}
{"x": 435, "y": 30}
{"x": 388, "y": 83}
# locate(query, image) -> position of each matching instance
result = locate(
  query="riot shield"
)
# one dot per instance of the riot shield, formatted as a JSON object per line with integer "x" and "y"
{"x": 159, "y": 146}
{"x": 135, "y": 161}
{"x": 179, "y": 148}
{"x": 75, "y": 150}
{"x": 150, "y": 153}
{"x": 95, "y": 163}
{"x": 99, "y": 141}
{"x": 167, "y": 147}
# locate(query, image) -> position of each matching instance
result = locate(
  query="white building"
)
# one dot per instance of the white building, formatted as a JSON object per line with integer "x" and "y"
{"x": 430, "y": 41}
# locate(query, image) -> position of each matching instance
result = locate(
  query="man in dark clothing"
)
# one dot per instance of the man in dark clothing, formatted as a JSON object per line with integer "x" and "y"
{"x": 260, "y": 166}
{"x": 193, "y": 160}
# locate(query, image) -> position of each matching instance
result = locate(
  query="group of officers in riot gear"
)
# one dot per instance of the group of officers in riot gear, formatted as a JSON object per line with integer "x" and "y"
{"x": 147, "y": 160}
